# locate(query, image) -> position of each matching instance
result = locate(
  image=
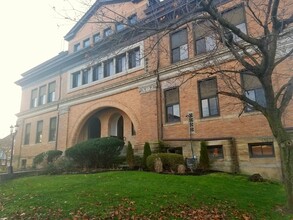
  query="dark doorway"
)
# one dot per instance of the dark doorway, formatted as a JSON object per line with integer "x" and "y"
{"x": 94, "y": 128}
{"x": 120, "y": 129}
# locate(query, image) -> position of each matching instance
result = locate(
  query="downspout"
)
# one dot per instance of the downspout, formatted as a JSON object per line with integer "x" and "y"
{"x": 20, "y": 143}
{"x": 58, "y": 113}
{"x": 159, "y": 94}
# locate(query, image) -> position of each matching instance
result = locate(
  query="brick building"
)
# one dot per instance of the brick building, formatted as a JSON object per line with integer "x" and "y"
{"x": 118, "y": 79}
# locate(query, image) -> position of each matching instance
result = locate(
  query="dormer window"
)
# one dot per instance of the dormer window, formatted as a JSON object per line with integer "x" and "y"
{"x": 107, "y": 32}
{"x": 119, "y": 26}
{"x": 132, "y": 19}
{"x": 86, "y": 43}
{"x": 97, "y": 37}
{"x": 76, "y": 47}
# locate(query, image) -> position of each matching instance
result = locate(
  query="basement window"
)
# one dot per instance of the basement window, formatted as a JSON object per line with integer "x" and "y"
{"x": 260, "y": 150}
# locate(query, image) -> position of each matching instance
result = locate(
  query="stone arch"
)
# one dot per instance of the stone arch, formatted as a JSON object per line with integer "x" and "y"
{"x": 87, "y": 112}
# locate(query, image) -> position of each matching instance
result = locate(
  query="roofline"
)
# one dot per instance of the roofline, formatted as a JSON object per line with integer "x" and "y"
{"x": 92, "y": 10}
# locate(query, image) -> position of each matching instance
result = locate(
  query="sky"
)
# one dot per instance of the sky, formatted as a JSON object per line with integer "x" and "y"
{"x": 32, "y": 32}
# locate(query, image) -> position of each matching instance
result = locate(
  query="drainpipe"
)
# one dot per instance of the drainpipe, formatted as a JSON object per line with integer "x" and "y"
{"x": 159, "y": 94}
{"x": 58, "y": 115}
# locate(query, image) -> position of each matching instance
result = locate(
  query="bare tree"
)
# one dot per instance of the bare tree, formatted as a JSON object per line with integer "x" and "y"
{"x": 252, "y": 56}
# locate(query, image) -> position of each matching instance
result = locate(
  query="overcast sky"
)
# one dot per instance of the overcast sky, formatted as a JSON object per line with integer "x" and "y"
{"x": 31, "y": 33}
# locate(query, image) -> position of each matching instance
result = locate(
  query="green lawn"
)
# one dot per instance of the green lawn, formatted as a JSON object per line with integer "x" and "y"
{"x": 122, "y": 194}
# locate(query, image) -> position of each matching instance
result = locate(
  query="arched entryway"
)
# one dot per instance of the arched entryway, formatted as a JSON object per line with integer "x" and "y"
{"x": 117, "y": 126}
{"x": 94, "y": 128}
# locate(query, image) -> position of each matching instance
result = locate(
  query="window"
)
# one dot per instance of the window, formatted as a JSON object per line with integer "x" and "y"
{"x": 237, "y": 17}
{"x": 179, "y": 46}
{"x": 97, "y": 37}
{"x": 133, "y": 131}
{"x": 27, "y": 134}
{"x": 205, "y": 40}
{"x": 134, "y": 58}
{"x": 119, "y": 26}
{"x": 208, "y": 97}
{"x": 121, "y": 63}
{"x": 132, "y": 19}
{"x": 215, "y": 152}
{"x": 97, "y": 72}
{"x": 42, "y": 95}
{"x": 261, "y": 149}
{"x": 76, "y": 79}
{"x": 52, "y": 129}
{"x": 109, "y": 68}
{"x": 76, "y": 47}
{"x": 107, "y": 32}
{"x": 253, "y": 90}
{"x": 86, "y": 43}
{"x": 172, "y": 105}
{"x": 51, "y": 92}
{"x": 85, "y": 76}
{"x": 39, "y": 133}
{"x": 34, "y": 98}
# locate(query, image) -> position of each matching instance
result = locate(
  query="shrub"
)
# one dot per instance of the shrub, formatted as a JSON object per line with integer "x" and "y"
{"x": 130, "y": 155}
{"x": 161, "y": 148}
{"x": 96, "y": 153}
{"x": 46, "y": 157}
{"x": 170, "y": 161}
{"x": 120, "y": 160}
{"x": 137, "y": 162}
{"x": 61, "y": 165}
{"x": 204, "y": 162}
{"x": 146, "y": 152}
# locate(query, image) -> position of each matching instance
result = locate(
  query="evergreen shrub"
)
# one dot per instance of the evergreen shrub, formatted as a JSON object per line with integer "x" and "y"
{"x": 96, "y": 153}
{"x": 46, "y": 157}
{"x": 146, "y": 152}
{"x": 130, "y": 156}
{"x": 204, "y": 161}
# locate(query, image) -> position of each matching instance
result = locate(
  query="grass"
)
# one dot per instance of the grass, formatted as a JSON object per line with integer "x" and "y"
{"x": 138, "y": 193}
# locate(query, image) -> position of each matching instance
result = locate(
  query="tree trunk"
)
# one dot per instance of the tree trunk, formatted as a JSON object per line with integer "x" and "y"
{"x": 286, "y": 152}
{"x": 287, "y": 170}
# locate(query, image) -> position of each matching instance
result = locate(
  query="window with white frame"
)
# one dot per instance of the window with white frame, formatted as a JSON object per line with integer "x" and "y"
{"x": 97, "y": 37}
{"x": 85, "y": 76}
{"x": 107, "y": 32}
{"x": 253, "y": 90}
{"x": 127, "y": 60}
{"x": 42, "y": 95}
{"x": 208, "y": 94}
{"x": 132, "y": 19}
{"x": 39, "y": 132}
{"x": 121, "y": 63}
{"x": 119, "y": 26}
{"x": 76, "y": 79}
{"x": 98, "y": 72}
{"x": 134, "y": 58}
{"x": 179, "y": 46}
{"x": 205, "y": 38}
{"x": 172, "y": 105}
{"x": 109, "y": 68}
{"x": 76, "y": 47}
{"x": 86, "y": 43}
{"x": 27, "y": 134}
{"x": 34, "y": 98}
{"x": 237, "y": 17}
{"x": 51, "y": 92}
{"x": 53, "y": 129}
